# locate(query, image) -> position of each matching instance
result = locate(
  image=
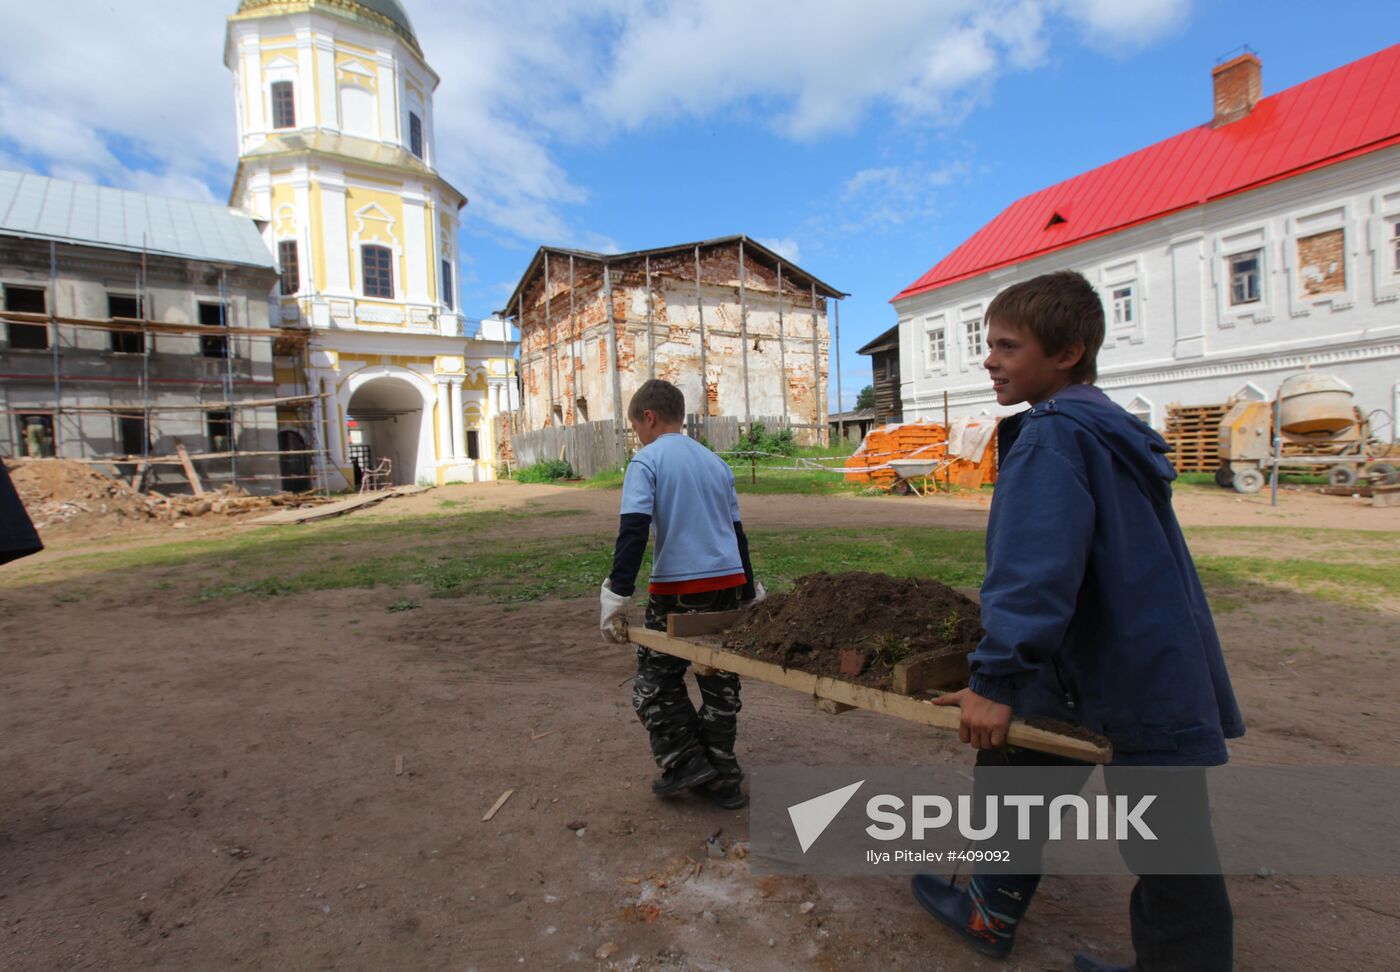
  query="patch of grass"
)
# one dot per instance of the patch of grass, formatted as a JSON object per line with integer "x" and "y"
{"x": 607, "y": 479}
{"x": 1224, "y": 604}
{"x": 890, "y": 648}
{"x": 948, "y": 628}
{"x": 546, "y": 471}
{"x": 270, "y": 547}
{"x": 403, "y": 604}
{"x": 954, "y": 557}
{"x": 1353, "y": 567}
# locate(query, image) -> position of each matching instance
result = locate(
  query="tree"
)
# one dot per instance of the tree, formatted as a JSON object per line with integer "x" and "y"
{"x": 866, "y": 398}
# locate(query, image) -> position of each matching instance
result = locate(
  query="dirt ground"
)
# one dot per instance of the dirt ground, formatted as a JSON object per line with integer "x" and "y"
{"x": 213, "y": 785}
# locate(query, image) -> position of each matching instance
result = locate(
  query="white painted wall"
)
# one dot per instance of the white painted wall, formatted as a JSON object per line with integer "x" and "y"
{"x": 1186, "y": 343}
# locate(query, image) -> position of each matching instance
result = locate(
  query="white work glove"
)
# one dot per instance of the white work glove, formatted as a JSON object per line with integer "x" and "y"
{"x": 758, "y": 594}
{"x": 614, "y": 617}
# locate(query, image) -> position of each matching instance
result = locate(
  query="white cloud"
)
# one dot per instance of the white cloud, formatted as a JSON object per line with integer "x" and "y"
{"x": 786, "y": 248}
{"x": 888, "y": 196}
{"x": 1112, "y": 25}
{"x": 136, "y": 95}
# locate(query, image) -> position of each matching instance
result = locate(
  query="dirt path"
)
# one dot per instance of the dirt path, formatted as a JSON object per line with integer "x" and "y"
{"x": 205, "y": 786}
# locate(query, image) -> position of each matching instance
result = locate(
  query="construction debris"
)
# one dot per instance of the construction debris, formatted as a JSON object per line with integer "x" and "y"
{"x": 60, "y": 493}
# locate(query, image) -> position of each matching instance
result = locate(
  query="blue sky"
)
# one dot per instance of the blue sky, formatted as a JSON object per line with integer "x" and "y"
{"x": 865, "y": 140}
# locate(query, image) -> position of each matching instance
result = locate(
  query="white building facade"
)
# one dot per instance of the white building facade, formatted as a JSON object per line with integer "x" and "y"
{"x": 1212, "y": 301}
{"x": 338, "y": 163}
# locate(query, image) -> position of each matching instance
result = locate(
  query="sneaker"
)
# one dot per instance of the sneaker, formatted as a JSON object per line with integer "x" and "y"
{"x": 689, "y": 772}
{"x": 727, "y": 796}
{"x": 1083, "y": 963}
{"x": 954, "y": 907}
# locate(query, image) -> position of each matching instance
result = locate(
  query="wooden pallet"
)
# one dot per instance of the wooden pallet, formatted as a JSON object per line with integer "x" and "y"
{"x": 1193, "y": 432}
{"x": 841, "y": 695}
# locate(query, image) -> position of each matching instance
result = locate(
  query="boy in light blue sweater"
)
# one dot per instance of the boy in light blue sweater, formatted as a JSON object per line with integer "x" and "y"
{"x": 687, "y": 494}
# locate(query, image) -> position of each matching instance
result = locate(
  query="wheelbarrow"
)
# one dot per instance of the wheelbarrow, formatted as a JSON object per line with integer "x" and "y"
{"x": 909, "y": 473}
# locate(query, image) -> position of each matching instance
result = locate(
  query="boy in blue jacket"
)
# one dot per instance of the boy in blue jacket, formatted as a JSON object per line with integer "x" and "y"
{"x": 1093, "y": 614}
{"x": 687, "y": 493}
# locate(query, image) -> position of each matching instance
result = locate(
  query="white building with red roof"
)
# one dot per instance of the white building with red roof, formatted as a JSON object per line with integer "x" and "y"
{"x": 1229, "y": 256}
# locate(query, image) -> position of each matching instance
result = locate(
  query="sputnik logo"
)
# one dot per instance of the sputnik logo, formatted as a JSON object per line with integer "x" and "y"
{"x": 810, "y": 818}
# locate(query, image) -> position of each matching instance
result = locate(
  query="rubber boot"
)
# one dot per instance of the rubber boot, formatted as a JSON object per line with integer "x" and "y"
{"x": 985, "y": 914}
{"x": 693, "y": 770}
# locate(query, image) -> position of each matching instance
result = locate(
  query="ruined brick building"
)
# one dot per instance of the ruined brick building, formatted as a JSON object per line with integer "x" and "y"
{"x": 741, "y": 331}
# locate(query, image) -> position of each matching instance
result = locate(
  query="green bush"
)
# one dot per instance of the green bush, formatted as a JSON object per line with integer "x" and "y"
{"x": 759, "y": 439}
{"x": 547, "y": 471}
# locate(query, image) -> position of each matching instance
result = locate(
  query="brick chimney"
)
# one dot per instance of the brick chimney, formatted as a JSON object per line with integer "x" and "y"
{"x": 1237, "y": 88}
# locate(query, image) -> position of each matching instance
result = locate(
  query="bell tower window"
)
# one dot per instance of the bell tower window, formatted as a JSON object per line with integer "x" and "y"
{"x": 284, "y": 112}
{"x": 415, "y": 134}
{"x": 377, "y": 262}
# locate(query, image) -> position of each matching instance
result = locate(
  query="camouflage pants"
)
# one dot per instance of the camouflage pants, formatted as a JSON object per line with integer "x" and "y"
{"x": 663, "y": 703}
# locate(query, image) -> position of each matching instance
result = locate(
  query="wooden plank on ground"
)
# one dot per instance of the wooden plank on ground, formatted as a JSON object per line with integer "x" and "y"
{"x": 863, "y": 696}
{"x": 338, "y": 508}
{"x": 940, "y": 670}
{"x": 190, "y": 474}
{"x": 700, "y": 623}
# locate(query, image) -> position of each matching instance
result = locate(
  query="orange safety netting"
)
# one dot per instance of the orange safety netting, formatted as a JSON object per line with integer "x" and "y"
{"x": 917, "y": 440}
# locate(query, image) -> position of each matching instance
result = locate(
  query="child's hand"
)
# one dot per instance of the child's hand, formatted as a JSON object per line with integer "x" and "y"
{"x": 984, "y": 722}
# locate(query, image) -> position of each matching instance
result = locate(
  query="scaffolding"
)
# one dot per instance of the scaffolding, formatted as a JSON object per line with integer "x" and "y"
{"x": 246, "y": 417}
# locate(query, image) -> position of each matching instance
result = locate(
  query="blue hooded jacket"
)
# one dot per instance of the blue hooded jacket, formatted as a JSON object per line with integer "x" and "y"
{"x": 1091, "y": 602}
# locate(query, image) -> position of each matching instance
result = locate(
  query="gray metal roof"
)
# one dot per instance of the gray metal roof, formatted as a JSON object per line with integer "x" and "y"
{"x": 73, "y": 212}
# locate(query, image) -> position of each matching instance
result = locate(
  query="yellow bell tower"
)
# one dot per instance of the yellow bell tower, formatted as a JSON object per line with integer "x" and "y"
{"x": 337, "y": 160}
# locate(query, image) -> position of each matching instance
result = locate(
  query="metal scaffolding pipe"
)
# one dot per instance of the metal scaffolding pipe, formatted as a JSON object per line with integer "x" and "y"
{"x": 53, "y": 353}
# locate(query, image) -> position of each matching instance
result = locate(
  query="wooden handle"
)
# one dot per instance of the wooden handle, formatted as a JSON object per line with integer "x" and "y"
{"x": 865, "y": 697}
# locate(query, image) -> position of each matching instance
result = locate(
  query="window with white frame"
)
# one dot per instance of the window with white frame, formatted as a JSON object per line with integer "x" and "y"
{"x": 1246, "y": 275}
{"x": 1124, "y": 311}
{"x": 935, "y": 348}
{"x": 974, "y": 337}
{"x": 1394, "y": 243}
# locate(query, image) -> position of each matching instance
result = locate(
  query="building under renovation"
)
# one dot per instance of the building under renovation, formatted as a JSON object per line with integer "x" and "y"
{"x": 306, "y": 334}
{"x": 137, "y": 325}
{"x": 742, "y": 332}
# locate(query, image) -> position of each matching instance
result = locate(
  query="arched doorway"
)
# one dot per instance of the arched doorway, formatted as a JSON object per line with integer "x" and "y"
{"x": 386, "y": 416}
{"x": 295, "y": 469}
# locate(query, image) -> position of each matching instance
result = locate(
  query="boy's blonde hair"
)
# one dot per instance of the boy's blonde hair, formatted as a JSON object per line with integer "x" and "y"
{"x": 1059, "y": 309}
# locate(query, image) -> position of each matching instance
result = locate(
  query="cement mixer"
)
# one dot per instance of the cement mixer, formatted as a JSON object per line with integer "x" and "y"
{"x": 1315, "y": 411}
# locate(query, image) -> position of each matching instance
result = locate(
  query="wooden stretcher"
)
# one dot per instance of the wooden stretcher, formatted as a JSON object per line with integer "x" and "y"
{"x": 837, "y": 695}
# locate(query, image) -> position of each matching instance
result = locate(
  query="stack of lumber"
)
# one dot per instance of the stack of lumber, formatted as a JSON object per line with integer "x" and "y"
{"x": 1193, "y": 432}
{"x": 916, "y": 440}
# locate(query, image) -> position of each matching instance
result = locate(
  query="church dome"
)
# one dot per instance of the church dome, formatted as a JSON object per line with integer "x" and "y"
{"x": 381, "y": 13}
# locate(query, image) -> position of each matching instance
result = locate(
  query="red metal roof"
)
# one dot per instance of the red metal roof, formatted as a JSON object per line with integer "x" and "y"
{"x": 1335, "y": 116}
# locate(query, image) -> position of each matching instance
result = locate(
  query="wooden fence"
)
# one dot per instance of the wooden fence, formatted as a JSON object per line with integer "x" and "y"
{"x": 590, "y": 448}
{"x": 595, "y": 447}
